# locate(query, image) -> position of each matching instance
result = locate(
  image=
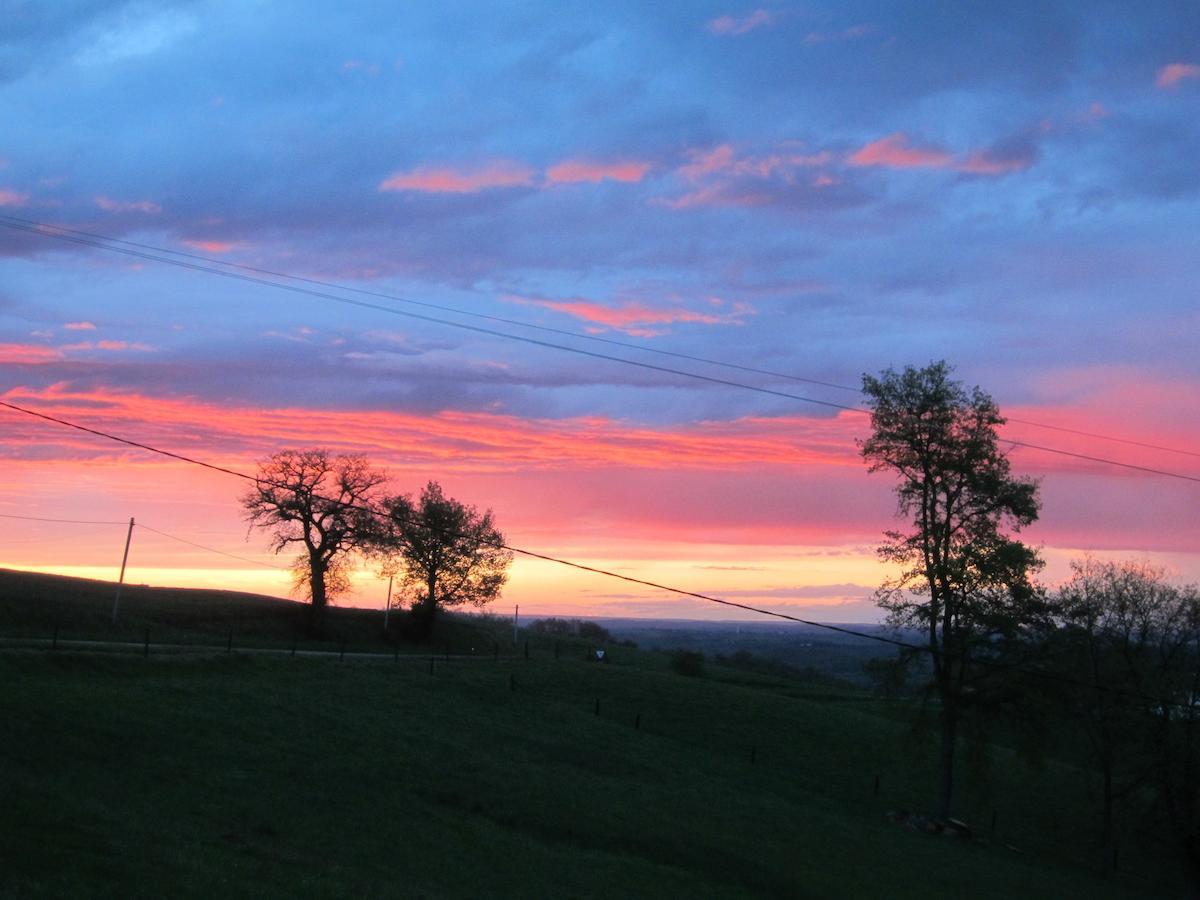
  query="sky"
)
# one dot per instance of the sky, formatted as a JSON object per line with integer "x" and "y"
{"x": 812, "y": 190}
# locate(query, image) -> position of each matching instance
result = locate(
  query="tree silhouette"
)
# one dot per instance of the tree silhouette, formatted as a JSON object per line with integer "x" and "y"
{"x": 317, "y": 501}
{"x": 446, "y": 553}
{"x": 963, "y": 584}
{"x": 1128, "y": 643}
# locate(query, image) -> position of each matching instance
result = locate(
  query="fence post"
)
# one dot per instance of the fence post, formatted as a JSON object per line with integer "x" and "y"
{"x": 431, "y": 664}
{"x": 512, "y": 682}
{"x": 753, "y": 754}
{"x": 229, "y": 646}
{"x": 876, "y": 789}
{"x": 527, "y": 651}
{"x": 993, "y": 821}
{"x": 637, "y": 722}
{"x": 293, "y": 646}
{"x": 342, "y": 651}
{"x": 556, "y": 649}
{"x": 597, "y": 706}
{"x": 146, "y": 646}
{"x": 54, "y": 643}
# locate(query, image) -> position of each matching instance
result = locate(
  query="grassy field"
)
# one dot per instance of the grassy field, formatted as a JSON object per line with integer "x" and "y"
{"x": 239, "y": 775}
{"x": 33, "y": 605}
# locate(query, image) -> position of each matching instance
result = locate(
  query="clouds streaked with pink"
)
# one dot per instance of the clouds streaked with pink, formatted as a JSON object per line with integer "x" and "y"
{"x": 119, "y": 206}
{"x": 809, "y": 191}
{"x": 897, "y": 151}
{"x": 210, "y": 246}
{"x": 736, "y": 25}
{"x": 447, "y": 180}
{"x": 1172, "y": 74}
{"x": 573, "y": 171}
{"x": 10, "y": 197}
{"x": 637, "y": 318}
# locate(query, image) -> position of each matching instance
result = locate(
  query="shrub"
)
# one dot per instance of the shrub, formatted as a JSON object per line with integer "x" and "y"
{"x": 687, "y": 662}
{"x": 589, "y": 631}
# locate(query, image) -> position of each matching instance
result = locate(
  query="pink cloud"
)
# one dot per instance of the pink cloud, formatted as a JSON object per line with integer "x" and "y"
{"x": 635, "y": 318}
{"x": 593, "y": 487}
{"x": 27, "y": 354}
{"x": 983, "y": 162}
{"x": 723, "y": 160}
{"x": 895, "y": 152}
{"x": 1170, "y": 75}
{"x": 209, "y": 246}
{"x": 720, "y": 177}
{"x": 721, "y": 194}
{"x": 723, "y": 25}
{"x": 112, "y": 346}
{"x": 502, "y": 173}
{"x": 847, "y": 34}
{"x": 80, "y": 326}
{"x": 576, "y": 170}
{"x": 109, "y": 205}
{"x": 9, "y": 197}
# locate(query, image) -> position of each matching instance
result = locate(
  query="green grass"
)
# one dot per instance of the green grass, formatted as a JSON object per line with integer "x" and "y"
{"x": 37, "y": 606}
{"x": 239, "y": 775}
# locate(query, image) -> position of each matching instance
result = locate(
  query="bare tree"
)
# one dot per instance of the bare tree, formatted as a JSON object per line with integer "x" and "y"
{"x": 964, "y": 584}
{"x": 317, "y": 502}
{"x": 446, "y": 552}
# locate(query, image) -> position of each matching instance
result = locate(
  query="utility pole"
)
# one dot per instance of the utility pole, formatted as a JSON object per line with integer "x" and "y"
{"x": 121, "y": 580}
{"x": 388, "y": 607}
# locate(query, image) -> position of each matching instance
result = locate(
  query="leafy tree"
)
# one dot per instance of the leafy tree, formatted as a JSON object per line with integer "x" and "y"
{"x": 963, "y": 584}
{"x": 1126, "y": 640}
{"x": 446, "y": 552}
{"x": 316, "y": 501}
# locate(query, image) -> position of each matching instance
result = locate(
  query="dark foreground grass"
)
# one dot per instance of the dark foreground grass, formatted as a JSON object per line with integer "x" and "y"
{"x": 233, "y": 775}
{"x": 38, "y": 606}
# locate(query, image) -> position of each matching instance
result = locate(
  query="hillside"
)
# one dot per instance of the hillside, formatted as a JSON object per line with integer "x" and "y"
{"x": 237, "y": 775}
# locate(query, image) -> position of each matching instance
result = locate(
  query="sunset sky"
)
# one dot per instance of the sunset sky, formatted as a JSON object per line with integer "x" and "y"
{"x": 815, "y": 189}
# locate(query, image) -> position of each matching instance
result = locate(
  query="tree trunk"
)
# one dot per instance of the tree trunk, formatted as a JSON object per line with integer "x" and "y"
{"x": 1190, "y": 851}
{"x": 419, "y": 624}
{"x": 1108, "y": 804}
{"x": 948, "y": 719}
{"x": 320, "y": 599}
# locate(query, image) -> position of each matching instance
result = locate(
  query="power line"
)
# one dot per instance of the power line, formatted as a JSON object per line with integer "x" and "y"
{"x": 879, "y": 638}
{"x": 244, "y": 559}
{"x": 142, "y": 525}
{"x": 378, "y": 307}
{"x": 41, "y": 230}
{"x": 65, "y": 521}
{"x": 105, "y": 242}
{"x": 564, "y": 332}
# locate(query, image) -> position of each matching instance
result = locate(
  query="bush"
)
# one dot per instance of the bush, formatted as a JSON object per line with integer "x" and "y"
{"x": 687, "y": 662}
{"x": 589, "y": 631}
{"x": 593, "y": 632}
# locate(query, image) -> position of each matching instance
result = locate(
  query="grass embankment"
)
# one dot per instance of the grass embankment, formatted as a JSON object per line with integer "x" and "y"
{"x": 236, "y": 775}
{"x": 39, "y": 607}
